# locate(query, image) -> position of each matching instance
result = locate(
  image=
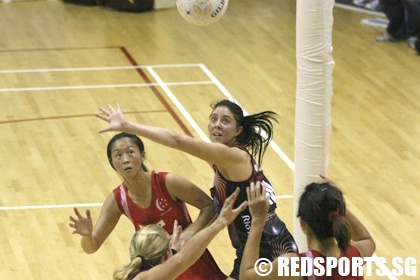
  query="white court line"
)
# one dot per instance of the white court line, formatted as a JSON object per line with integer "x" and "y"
{"x": 74, "y": 87}
{"x": 284, "y": 196}
{"x": 101, "y": 86}
{"x": 79, "y": 69}
{"x": 6, "y": 208}
{"x": 178, "y": 104}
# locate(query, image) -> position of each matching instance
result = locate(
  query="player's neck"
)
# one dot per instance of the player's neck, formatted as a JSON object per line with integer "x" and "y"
{"x": 326, "y": 247}
{"x": 139, "y": 183}
{"x": 140, "y": 190}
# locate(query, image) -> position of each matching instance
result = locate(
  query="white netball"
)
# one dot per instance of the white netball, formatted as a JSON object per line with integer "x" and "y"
{"x": 202, "y": 12}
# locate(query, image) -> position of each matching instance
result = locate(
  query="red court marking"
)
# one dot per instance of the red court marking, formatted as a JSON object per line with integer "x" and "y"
{"x": 156, "y": 91}
{"x": 75, "y": 116}
{"x": 133, "y": 63}
{"x": 58, "y": 49}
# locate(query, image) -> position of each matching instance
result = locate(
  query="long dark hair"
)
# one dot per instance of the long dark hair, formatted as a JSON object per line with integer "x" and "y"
{"x": 323, "y": 206}
{"x": 136, "y": 140}
{"x": 253, "y": 126}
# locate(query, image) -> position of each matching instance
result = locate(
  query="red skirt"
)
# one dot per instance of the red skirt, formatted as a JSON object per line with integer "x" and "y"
{"x": 205, "y": 268}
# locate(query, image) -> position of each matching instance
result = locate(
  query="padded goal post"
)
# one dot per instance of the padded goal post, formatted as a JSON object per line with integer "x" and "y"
{"x": 314, "y": 20}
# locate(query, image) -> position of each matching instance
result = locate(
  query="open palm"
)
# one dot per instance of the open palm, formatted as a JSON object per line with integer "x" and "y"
{"x": 81, "y": 225}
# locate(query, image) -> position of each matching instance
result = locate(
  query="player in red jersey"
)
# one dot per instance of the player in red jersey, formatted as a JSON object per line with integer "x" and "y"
{"x": 236, "y": 152}
{"x": 327, "y": 224}
{"x": 148, "y": 198}
{"x": 151, "y": 257}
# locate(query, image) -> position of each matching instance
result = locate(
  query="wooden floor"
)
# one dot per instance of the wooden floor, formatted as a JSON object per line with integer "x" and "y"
{"x": 59, "y": 62}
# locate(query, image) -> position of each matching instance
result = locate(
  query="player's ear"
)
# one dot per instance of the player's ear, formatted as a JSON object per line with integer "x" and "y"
{"x": 239, "y": 130}
{"x": 303, "y": 225}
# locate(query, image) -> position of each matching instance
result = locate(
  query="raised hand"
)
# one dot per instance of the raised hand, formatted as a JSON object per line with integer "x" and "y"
{"x": 257, "y": 201}
{"x": 81, "y": 225}
{"x": 228, "y": 214}
{"x": 176, "y": 242}
{"x": 114, "y": 117}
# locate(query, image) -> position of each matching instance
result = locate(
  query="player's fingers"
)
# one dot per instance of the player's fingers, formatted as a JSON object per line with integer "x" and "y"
{"x": 175, "y": 227}
{"x": 257, "y": 189}
{"x": 76, "y": 211}
{"x": 241, "y": 207}
{"x": 103, "y": 110}
{"x": 252, "y": 191}
{"x": 248, "y": 194}
{"x": 231, "y": 199}
{"x": 263, "y": 192}
{"x": 102, "y": 117}
{"x": 179, "y": 229}
{"x": 328, "y": 180}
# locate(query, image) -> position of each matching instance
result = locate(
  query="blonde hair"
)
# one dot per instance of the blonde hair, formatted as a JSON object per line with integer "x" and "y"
{"x": 147, "y": 248}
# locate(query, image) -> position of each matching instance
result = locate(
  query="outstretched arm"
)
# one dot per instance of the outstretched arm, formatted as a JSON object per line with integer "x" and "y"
{"x": 214, "y": 153}
{"x": 93, "y": 237}
{"x": 196, "y": 246}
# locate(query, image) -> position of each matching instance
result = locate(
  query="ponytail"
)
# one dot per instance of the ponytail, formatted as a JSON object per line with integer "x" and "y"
{"x": 341, "y": 231}
{"x": 128, "y": 271}
{"x": 257, "y": 133}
